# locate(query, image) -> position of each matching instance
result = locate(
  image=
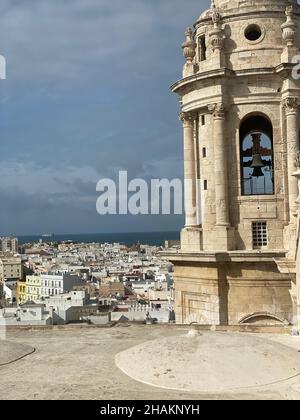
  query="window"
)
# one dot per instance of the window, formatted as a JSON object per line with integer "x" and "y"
{"x": 253, "y": 33}
{"x": 204, "y": 152}
{"x": 259, "y": 234}
{"x": 257, "y": 162}
{"x": 202, "y": 48}
{"x": 205, "y": 185}
{"x": 202, "y": 119}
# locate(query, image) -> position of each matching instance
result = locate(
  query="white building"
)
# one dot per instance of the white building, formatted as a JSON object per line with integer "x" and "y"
{"x": 71, "y": 307}
{"x": 10, "y": 292}
{"x": 59, "y": 283}
{"x": 26, "y": 315}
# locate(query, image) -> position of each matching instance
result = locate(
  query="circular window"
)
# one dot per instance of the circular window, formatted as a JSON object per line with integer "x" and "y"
{"x": 253, "y": 33}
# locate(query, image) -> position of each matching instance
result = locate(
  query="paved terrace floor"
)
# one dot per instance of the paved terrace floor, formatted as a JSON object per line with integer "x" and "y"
{"x": 79, "y": 363}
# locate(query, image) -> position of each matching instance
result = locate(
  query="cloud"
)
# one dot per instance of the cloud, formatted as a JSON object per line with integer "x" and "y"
{"x": 63, "y": 41}
{"x": 86, "y": 95}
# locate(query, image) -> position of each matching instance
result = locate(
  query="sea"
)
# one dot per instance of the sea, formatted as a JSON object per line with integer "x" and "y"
{"x": 146, "y": 238}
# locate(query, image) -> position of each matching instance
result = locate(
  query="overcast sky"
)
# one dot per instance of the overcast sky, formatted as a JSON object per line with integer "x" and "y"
{"x": 87, "y": 94}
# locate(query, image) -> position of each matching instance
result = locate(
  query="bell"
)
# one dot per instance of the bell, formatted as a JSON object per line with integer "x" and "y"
{"x": 257, "y": 162}
{"x": 257, "y": 173}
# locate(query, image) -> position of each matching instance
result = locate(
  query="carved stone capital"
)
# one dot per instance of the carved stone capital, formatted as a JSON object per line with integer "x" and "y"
{"x": 291, "y": 105}
{"x": 297, "y": 160}
{"x": 187, "y": 118}
{"x": 218, "y": 110}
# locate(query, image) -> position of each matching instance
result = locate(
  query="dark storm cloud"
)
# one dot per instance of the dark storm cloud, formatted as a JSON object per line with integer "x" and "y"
{"x": 86, "y": 96}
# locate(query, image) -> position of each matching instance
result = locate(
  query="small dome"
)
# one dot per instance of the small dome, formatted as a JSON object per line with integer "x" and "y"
{"x": 205, "y": 15}
{"x": 226, "y": 5}
{"x": 229, "y": 4}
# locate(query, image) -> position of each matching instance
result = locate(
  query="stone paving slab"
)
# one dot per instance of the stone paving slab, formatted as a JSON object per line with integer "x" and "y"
{"x": 79, "y": 364}
{"x": 210, "y": 363}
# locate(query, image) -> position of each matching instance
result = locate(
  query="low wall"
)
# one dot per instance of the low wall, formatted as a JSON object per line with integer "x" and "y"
{"x": 98, "y": 320}
{"x": 287, "y": 330}
{"x": 137, "y": 316}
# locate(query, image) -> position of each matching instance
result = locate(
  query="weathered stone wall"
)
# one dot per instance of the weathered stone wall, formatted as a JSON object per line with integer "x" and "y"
{"x": 257, "y": 289}
{"x": 197, "y": 299}
{"x": 227, "y": 293}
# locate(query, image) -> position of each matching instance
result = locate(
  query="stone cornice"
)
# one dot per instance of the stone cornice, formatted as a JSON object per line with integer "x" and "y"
{"x": 224, "y": 257}
{"x": 229, "y": 16}
{"x": 254, "y": 71}
{"x": 219, "y": 73}
{"x": 200, "y": 76}
{"x": 202, "y": 103}
{"x": 284, "y": 70}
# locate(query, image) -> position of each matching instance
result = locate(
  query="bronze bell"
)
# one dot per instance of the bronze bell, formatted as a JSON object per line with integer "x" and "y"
{"x": 257, "y": 164}
{"x": 257, "y": 173}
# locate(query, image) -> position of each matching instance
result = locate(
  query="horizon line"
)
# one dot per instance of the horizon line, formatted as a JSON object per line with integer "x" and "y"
{"x": 89, "y": 233}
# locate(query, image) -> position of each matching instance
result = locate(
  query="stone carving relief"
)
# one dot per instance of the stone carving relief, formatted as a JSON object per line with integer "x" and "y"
{"x": 297, "y": 160}
{"x": 216, "y": 36}
{"x": 289, "y": 27}
{"x": 291, "y": 104}
{"x": 189, "y": 46}
{"x": 218, "y": 110}
{"x": 187, "y": 118}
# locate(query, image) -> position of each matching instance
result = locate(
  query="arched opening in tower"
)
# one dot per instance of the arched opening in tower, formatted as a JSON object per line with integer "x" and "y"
{"x": 257, "y": 158}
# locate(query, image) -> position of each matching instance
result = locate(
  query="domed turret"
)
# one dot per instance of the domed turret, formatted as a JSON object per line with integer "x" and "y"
{"x": 238, "y": 34}
{"x": 240, "y": 6}
{"x": 231, "y": 4}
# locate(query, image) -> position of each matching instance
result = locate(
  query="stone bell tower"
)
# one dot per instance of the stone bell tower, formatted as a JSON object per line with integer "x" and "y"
{"x": 240, "y": 99}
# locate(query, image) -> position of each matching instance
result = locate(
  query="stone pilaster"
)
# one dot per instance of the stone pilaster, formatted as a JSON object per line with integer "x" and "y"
{"x": 292, "y": 105}
{"x": 224, "y": 233}
{"x": 190, "y": 193}
{"x": 191, "y": 237}
{"x": 221, "y": 175}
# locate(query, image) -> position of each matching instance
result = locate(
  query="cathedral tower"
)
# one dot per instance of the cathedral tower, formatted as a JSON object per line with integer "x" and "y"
{"x": 240, "y": 99}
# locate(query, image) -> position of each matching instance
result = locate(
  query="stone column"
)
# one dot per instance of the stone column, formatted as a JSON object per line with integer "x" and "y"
{"x": 190, "y": 176}
{"x": 292, "y": 105}
{"x": 221, "y": 174}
